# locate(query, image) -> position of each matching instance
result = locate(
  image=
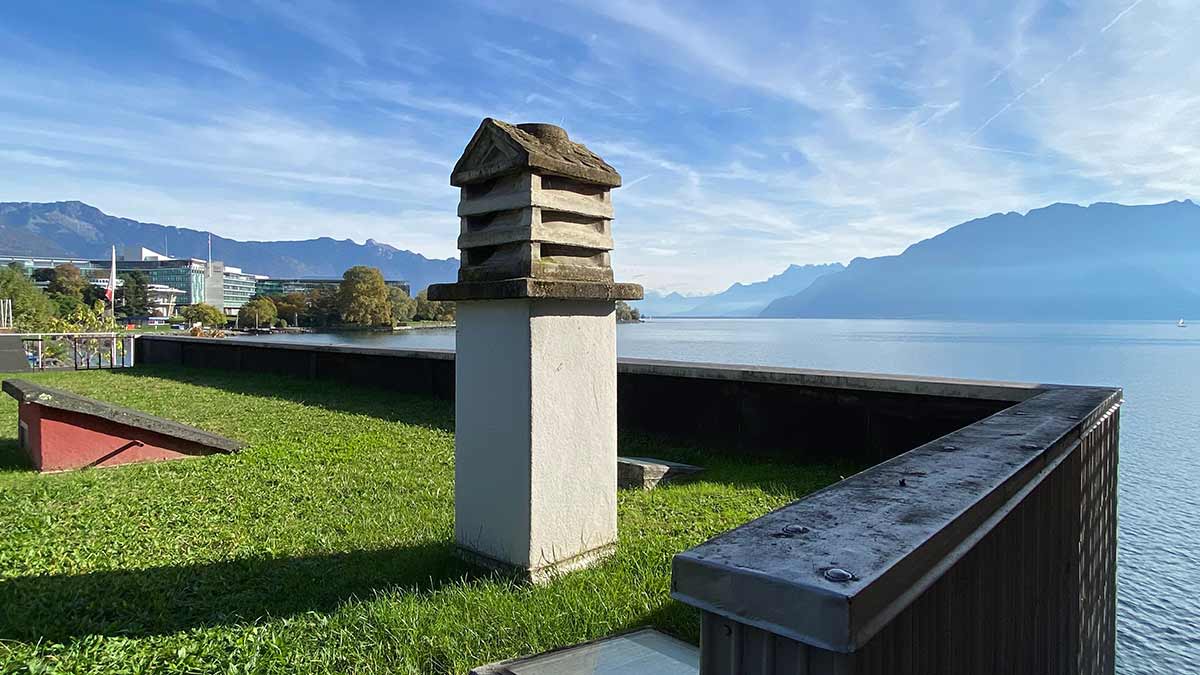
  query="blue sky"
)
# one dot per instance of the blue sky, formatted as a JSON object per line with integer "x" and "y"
{"x": 749, "y": 136}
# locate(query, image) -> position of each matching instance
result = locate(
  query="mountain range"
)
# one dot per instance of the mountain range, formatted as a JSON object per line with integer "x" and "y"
{"x": 1104, "y": 261}
{"x": 75, "y": 229}
{"x": 739, "y": 300}
{"x": 1063, "y": 261}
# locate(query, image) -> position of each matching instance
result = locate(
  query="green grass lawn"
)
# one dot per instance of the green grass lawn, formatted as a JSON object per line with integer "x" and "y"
{"x": 325, "y": 546}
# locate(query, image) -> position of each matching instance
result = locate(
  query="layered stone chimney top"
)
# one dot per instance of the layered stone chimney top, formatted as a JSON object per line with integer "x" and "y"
{"x": 535, "y": 212}
{"x": 500, "y": 148}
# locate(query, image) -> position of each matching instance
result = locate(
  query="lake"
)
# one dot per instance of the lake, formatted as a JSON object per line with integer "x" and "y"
{"x": 1158, "y": 364}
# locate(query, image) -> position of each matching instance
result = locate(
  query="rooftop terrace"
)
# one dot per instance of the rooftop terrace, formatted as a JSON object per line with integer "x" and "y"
{"x": 325, "y": 546}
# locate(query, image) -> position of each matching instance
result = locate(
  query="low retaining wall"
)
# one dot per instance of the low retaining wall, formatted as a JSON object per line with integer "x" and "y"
{"x": 982, "y": 541}
{"x": 784, "y": 412}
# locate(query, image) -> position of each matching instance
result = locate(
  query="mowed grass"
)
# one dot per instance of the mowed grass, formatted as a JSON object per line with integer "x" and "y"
{"x": 325, "y": 546}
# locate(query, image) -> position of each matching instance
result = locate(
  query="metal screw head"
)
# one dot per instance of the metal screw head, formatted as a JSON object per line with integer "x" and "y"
{"x": 795, "y": 528}
{"x": 838, "y": 575}
{"x": 949, "y": 448}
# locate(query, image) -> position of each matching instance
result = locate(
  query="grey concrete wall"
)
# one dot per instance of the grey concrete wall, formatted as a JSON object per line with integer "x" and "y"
{"x": 782, "y": 412}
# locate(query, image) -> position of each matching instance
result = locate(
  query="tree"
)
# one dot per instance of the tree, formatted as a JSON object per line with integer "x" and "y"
{"x": 404, "y": 308}
{"x": 433, "y": 310}
{"x": 258, "y": 311}
{"x": 203, "y": 314}
{"x": 363, "y": 297}
{"x": 32, "y": 310}
{"x": 85, "y": 319}
{"x": 133, "y": 298}
{"x": 295, "y": 307}
{"x": 323, "y": 307}
{"x": 68, "y": 281}
{"x": 626, "y": 313}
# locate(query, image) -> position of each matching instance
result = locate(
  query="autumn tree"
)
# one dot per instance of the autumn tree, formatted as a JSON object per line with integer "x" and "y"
{"x": 363, "y": 297}
{"x": 68, "y": 281}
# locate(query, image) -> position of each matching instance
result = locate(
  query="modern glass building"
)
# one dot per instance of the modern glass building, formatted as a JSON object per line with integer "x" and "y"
{"x": 188, "y": 276}
{"x": 238, "y": 287}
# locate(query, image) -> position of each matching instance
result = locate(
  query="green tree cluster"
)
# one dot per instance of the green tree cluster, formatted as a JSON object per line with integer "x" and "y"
{"x": 203, "y": 314}
{"x": 133, "y": 298}
{"x": 259, "y": 311}
{"x": 32, "y": 311}
{"x": 627, "y": 314}
{"x": 433, "y": 310}
{"x": 69, "y": 289}
{"x": 362, "y": 298}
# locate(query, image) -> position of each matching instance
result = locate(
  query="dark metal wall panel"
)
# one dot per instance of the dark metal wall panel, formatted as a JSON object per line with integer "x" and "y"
{"x": 758, "y": 418}
{"x": 1036, "y": 594}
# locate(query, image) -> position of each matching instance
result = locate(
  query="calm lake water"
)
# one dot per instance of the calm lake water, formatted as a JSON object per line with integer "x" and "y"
{"x": 1158, "y": 364}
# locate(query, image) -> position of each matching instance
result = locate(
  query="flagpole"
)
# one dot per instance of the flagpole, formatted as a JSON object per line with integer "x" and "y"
{"x": 112, "y": 286}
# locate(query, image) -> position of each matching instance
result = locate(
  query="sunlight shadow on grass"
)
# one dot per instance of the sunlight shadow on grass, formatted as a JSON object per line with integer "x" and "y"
{"x": 12, "y": 457}
{"x": 417, "y": 410}
{"x": 164, "y": 600}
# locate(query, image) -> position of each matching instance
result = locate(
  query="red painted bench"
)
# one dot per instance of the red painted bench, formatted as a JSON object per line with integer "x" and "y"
{"x": 62, "y": 431}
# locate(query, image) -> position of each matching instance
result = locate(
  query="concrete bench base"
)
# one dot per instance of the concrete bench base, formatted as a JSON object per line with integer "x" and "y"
{"x": 62, "y": 431}
{"x": 645, "y": 473}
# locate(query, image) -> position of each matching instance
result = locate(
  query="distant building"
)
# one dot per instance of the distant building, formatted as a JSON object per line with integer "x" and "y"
{"x": 267, "y": 286}
{"x": 189, "y": 276}
{"x": 178, "y": 282}
{"x": 237, "y": 288}
{"x": 225, "y": 287}
{"x": 32, "y": 263}
{"x": 163, "y": 300}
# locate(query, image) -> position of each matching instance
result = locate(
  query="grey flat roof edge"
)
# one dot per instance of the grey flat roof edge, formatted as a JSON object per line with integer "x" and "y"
{"x": 773, "y": 600}
{"x": 894, "y": 538}
{"x": 877, "y": 382}
{"x": 29, "y": 392}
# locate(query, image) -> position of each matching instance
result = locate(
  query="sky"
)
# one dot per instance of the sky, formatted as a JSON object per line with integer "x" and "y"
{"x": 749, "y": 136}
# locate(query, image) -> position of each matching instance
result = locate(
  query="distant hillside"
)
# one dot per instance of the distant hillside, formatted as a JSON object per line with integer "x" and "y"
{"x": 77, "y": 229}
{"x": 739, "y": 299}
{"x": 750, "y": 299}
{"x": 657, "y": 303}
{"x": 1105, "y": 261}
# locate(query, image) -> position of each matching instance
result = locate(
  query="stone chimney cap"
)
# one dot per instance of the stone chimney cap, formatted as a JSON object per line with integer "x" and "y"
{"x": 500, "y": 148}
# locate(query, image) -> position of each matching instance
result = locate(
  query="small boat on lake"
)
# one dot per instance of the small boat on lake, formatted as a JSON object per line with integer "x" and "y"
{"x": 1182, "y": 324}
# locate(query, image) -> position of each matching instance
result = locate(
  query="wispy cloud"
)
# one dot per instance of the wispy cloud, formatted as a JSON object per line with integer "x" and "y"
{"x": 322, "y": 21}
{"x": 210, "y": 55}
{"x": 33, "y": 158}
{"x": 750, "y": 136}
{"x": 402, "y": 94}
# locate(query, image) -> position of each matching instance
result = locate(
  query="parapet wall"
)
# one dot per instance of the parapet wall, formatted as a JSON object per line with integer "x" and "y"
{"x": 983, "y": 539}
{"x": 782, "y": 412}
